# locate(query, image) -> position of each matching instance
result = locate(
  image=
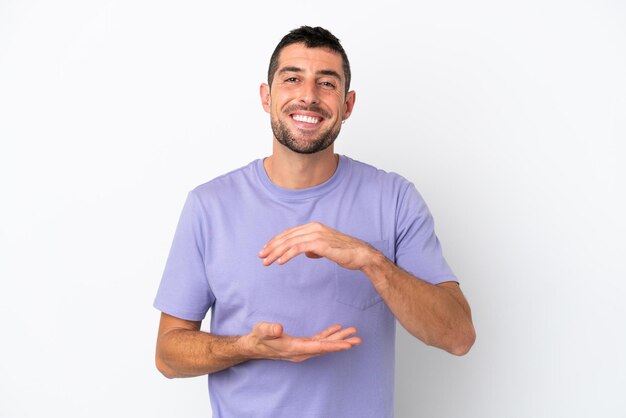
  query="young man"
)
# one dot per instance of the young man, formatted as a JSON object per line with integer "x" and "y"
{"x": 295, "y": 253}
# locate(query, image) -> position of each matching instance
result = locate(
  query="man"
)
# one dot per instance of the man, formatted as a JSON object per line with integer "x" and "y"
{"x": 295, "y": 253}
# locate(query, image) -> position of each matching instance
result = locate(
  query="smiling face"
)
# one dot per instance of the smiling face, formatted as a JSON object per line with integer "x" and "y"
{"x": 307, "y": 100}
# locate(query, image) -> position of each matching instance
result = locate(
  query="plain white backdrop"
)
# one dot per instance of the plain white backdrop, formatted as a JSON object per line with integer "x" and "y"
{"x": 510, "y": 118}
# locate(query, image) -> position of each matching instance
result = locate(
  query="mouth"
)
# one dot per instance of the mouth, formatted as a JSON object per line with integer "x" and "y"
{"x": 311, "y": 120}
{"x": 307, "y": 117}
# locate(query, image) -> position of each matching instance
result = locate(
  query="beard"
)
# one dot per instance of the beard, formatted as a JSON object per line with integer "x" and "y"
{"x": 286, "y": 138}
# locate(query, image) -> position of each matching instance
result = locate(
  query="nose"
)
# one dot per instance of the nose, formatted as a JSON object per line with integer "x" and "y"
{"x": 308, "y": 93}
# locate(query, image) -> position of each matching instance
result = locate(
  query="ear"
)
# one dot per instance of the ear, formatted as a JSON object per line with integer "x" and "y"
{"x": 349, "y": 104}
{"x": 266, "y": 99}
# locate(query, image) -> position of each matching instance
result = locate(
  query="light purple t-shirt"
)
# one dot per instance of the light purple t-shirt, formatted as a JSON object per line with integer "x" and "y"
{"x": 214, "y": 264}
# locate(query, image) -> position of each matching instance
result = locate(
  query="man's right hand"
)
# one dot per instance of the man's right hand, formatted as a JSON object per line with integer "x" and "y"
{"x": 183, "y": 350}
{"x": 268, "y": 341}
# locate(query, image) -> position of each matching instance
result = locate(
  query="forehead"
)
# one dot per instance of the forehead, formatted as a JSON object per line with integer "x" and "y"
{"x": 310, "y": 59}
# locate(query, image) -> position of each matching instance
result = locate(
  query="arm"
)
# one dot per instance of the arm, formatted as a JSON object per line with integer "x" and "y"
{"x": 183, "y": 350}
{"x": 438, "y": 315}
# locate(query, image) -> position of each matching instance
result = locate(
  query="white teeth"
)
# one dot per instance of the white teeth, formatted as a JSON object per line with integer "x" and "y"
{"x": 307, "y": 119}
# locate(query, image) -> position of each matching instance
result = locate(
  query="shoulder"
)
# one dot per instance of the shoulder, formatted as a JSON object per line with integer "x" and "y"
{"x": 226, "y": 184}
{"x": 390, "y": 180}
{"x": 391, "y": 187}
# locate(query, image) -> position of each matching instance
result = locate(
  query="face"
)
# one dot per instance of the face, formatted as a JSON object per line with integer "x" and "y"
{"x": 307, "y": 100}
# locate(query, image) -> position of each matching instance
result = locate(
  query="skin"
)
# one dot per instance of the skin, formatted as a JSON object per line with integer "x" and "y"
{"x": 310, "y": 83}
{"x": 308, "y": 87}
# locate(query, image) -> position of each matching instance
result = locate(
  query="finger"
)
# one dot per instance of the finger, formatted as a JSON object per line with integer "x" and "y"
{"x": 296, "y": 230}
{"x": 327, "y": 332}
{"x": 353, "y": 341}
{"x": 277, "y": 239}
{"x": 317, "y": 348}
{"x": 338, "y": 345}
{"x": 341, "y": 334}
{"x": 275, "y": 244}
{"x": 300, "y": 349}
{"x": 267, "y": 330}
{"x": 295, "y": 249}
{"x": 291, "y": 248}
{"x": 334, "y": 346}
{"x": 288, "y": 234}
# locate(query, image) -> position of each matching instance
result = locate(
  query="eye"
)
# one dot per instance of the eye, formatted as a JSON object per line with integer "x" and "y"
{"x": 291, "y": 80}
{"x": 327, "y": 84}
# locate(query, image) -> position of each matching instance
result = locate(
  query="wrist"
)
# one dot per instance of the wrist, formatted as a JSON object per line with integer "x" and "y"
{"x": 245, "y": 347}
{"x": 377, "y": 269}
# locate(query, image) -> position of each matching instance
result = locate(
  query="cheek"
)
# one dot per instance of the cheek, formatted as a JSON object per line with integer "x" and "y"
{"x": 279, "y": 100}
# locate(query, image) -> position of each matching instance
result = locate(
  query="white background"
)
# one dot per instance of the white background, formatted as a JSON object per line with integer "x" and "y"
{"x": 508, "y": 116}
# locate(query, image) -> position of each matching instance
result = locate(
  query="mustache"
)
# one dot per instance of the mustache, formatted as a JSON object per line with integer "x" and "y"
{"x": 311, "y": 108}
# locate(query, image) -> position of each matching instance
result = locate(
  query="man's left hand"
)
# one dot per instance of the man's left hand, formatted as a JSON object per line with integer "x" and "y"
{"x": 316, "y": 240}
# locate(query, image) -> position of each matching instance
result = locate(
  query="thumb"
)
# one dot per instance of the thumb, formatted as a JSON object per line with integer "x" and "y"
{"x": 268, "y": 331}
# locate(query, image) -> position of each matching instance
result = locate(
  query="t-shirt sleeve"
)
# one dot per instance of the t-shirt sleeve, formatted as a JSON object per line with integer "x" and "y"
{"x": 418, "y": 250}
{"x": 184, "y": 291}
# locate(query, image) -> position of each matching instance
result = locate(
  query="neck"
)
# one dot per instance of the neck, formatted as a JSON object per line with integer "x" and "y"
{"x": 291, "y": 170}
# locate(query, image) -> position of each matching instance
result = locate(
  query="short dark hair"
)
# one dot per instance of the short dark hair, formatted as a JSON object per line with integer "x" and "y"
{"x": 312, "y": 38}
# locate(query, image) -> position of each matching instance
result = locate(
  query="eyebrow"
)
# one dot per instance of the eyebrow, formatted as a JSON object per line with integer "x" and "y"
{"x": 331, "y": 73}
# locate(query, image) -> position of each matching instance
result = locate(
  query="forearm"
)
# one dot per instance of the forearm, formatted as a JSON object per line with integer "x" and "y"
{"x": 183, "y": 350}
{"x": 189, "y": 353}
{"x": 437, "y": 315}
